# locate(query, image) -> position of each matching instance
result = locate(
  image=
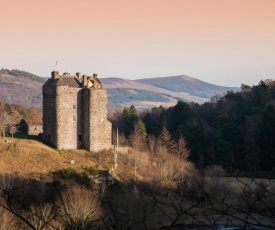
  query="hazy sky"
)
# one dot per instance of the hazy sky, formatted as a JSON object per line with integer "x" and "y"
{"x": 226, "y": 42}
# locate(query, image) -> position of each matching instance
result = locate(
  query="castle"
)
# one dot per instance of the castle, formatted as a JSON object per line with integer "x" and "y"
{"x": 75, "y": 112}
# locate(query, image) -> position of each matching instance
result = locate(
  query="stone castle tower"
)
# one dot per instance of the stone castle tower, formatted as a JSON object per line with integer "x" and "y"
{"x": 75, "y": 112}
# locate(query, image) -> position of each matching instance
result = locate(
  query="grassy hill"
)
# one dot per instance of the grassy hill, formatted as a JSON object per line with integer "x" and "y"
{"x": 187, "y": 84}
{"x": 28, "y": 156}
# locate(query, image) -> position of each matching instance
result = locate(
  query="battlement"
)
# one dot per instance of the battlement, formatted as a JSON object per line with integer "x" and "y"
{"x": 84, "y": 80}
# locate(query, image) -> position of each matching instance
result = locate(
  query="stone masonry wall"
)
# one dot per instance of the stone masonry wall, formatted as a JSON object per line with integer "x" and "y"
{"x": 49, "y": 114}
{"x": 86, "y": 118}
{"x": 35, "y": 129}
{"x": 69, "y": 113}
{"x": 100, "y": 127}
{"x": 75, "y": 116}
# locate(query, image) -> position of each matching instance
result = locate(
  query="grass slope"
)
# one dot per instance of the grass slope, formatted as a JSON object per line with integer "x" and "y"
{"x": 30, "y": 157}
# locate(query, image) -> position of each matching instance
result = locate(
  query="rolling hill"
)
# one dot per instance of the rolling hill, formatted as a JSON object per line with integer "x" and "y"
{"x": 188, "y": 85}
{"x": 23, "y": 88}
{"x": 20, "y": 87}
{"x": 164, "y": 91}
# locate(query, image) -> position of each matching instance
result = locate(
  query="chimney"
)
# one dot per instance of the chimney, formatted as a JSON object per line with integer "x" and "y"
{"x": 55, "y": 74}
{"x": 78, "y": 75}
{"x": 85, "y": 80}
{"x": 95, "y": 75}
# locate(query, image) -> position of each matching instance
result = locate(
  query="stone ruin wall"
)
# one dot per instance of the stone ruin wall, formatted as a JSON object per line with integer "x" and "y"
{"x": 35, "y": 129}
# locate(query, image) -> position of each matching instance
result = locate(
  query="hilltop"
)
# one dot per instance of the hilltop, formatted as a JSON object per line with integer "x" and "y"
{"x": 188, "y": 85}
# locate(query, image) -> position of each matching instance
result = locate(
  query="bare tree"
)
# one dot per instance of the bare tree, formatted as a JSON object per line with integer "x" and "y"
{"x": 41, "y": 216}
{"x": 5, "y": 120}
{"x": 152, "y": 142}
{"x": 211, "y": 202}
{"x": 166, "y": 140}
{"x": 183, "y": 151}
{"x": 15, "y": 194}
{"x": 7, "y": 220}
{"x": 137, "y": 139}
{"x": 121, "y": 138}
{"x": 79, "y": 208}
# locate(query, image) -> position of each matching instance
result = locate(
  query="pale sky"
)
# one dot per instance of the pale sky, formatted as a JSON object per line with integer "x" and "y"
{"x": 225, "y": 42}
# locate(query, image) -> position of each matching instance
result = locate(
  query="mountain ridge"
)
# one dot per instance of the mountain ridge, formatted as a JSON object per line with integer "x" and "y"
{"x": 24, "y": 88}
{"x": 183, "y": 83}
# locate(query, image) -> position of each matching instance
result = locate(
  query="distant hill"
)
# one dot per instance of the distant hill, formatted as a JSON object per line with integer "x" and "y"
{"x": 20, "y": 87}
{"x": 187, "y": 84}
{"x": 164, "y": 91}
{"x": 20, "y": 73}
{"x": 23, "y": 88}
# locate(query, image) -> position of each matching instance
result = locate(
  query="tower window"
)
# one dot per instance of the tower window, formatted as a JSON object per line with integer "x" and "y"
{"x": 74, "y": 118}
{"x": 79, "y": 137}
{"x": 74, "y": 106}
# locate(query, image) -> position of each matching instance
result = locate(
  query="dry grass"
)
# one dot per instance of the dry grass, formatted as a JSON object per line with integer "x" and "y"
{"x": 32, "y": 158}
{"x": 81, "y": 157}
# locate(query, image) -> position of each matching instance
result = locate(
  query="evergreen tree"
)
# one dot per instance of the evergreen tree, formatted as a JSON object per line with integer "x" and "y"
{"x": 138, "y": 136}
{"x": 268, "y": 139}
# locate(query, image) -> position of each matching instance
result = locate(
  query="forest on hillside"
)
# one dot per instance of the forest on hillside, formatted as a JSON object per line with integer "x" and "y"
{"x": 181, "y": 170}
{"x": 235, "y": 131}
{"x": 20, "y": 74}
{"x": 20, "y": 87}
{"x": 123, "y": 95}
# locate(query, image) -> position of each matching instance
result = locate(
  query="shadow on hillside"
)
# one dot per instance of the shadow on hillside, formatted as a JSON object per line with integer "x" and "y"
{"x": 87, "y": 200}
{"x": 72, "y": 201}
{"x": 29, "y": 137}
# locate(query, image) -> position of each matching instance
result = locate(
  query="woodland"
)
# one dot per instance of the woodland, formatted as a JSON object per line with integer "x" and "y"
{"x": 190, "y": 166}
{"x": 235, "y": 131}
